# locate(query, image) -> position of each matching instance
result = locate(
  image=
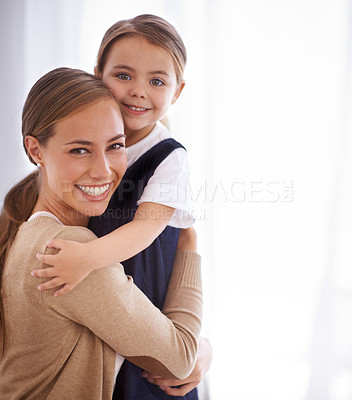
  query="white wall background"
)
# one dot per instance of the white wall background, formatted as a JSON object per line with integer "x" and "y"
{"x": 266, "y": 118}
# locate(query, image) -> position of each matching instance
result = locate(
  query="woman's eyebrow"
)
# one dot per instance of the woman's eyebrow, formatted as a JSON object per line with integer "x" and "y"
{"x": 121, "y": 66}
{"x": 120, "y": 135}
{"x": 89, "y": 143}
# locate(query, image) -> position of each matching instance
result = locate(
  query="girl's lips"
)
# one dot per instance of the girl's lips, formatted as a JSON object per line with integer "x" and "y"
{"x": 95, "y": 192}
{"x": 135, "y": 110}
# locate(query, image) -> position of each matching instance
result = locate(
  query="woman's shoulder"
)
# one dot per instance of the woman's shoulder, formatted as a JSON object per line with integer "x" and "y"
{"x": 50, "y": 228}
{"x": 77, "y": 233}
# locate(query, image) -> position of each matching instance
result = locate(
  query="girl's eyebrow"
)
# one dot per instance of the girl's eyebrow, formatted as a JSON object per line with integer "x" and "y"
{"x": 159, "y": 73}
{"x": 88, "y": 143}
{"x": 126, "y": 67}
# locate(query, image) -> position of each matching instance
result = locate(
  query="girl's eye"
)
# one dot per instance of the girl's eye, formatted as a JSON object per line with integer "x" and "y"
{"x": 80, "y": 150}
{"x": 116, "y": 146}
{"x": 123, "y": 76}
{"x": 156, "y": 82}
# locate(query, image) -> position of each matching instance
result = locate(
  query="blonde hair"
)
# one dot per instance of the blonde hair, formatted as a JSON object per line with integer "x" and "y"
{"x": 153, "y": 28}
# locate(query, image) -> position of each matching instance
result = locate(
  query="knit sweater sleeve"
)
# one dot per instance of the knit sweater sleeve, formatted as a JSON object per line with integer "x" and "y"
{"x": 109, "y": 304}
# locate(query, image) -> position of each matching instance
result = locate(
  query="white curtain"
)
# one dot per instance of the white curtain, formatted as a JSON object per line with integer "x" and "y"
{"x": 266, "y": 119}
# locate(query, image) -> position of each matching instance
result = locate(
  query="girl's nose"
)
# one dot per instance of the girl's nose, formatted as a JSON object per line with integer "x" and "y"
{"x": 138, "y": 90}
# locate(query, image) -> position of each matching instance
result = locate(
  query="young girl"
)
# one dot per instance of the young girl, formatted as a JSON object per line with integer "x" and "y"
{"x": 142, "y": 61}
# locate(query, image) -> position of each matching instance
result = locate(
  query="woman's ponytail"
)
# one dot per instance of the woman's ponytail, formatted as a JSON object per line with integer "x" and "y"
{"x": 18, "y": 206}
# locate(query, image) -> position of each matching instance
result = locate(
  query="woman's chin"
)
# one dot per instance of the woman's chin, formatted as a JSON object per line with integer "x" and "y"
{"x": 90, "y": 210}
{"x": 95, "y": 211}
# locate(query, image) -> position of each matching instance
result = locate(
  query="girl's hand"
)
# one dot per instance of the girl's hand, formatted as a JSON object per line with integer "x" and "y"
{"x": 68, "y": 267}
{"x": 205, "y": 355}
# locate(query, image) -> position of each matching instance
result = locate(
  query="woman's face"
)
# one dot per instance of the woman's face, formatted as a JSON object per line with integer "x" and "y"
{"x": 83, "y": 163}
{"x": 143, "y": 80}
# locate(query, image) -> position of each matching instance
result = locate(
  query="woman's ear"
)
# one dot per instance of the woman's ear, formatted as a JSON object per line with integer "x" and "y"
{"x": 178, "y": 92}
{"x": 34, "y": 149}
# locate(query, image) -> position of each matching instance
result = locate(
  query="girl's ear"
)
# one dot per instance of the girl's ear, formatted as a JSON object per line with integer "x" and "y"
{"x": 34, "y": 149}
{"x": 96, "y": 72}
{"x": 178, "y": 92}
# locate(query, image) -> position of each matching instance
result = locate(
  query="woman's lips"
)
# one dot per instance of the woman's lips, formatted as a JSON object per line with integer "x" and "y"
{"x": 95, "y": 192}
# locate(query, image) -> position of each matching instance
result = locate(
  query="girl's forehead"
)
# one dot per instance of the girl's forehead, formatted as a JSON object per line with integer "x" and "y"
{"x": 139, "y": 49}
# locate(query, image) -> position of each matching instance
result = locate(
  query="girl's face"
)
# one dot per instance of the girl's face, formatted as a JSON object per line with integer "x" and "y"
{"x": 83, "y": 163}
{"x": 143, "y": 80}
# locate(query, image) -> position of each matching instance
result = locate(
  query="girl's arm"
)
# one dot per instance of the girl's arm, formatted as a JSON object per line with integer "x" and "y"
{"x": 75, "y": 261}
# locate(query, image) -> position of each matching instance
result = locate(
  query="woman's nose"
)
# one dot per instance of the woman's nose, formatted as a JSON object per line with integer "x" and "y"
{"x": 100, "y": 167}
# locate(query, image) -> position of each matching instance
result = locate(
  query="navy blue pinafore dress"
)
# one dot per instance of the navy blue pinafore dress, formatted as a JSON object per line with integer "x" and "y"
{"x": 150, "y": 269}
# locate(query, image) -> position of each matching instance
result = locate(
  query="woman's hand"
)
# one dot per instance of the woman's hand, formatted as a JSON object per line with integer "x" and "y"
{"x": 205, "y": 355}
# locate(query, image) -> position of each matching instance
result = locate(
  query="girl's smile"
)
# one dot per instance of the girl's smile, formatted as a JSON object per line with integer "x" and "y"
{"x": 135, "y": 110}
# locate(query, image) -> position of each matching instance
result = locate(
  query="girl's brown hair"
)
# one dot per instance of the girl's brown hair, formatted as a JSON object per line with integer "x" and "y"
{"x": 155, "y": 29}
{"x": 56, "y": 95}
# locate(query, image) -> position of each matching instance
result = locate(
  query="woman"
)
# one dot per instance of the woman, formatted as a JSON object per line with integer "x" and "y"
{"x": 65, "y": 347}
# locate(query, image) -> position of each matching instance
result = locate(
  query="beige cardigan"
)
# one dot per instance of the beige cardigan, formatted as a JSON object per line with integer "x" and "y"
{"x": 64, "y": 347}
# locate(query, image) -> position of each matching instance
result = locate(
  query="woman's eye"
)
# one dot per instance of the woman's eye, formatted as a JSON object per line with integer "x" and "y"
{"x": 156, "y": 82}
{"x": 79, "y": 151}
{"x": 123, "y": 76}
{"x": 116, "y": 146}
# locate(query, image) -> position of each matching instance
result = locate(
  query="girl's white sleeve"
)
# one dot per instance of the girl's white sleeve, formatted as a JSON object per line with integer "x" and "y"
{"x": 170, "y": 186}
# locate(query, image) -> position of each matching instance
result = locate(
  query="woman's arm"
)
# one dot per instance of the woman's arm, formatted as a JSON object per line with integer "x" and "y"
{"x": 180, "y": 387}
{"x": 114, "y": 309}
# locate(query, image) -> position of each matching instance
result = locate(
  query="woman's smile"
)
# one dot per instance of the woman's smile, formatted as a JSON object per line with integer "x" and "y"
{"x": 95, "y": 192}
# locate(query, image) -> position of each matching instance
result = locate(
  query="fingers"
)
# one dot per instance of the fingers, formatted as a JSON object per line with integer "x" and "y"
{"x": 44, "y": 273}
{"x": 46, "y": 258}
{"x": 66, "y": 288}
{"x": 182, "y": 391}
{"x": 55, "y": 243}
{"x": 184, "y": 386}
{"x": 53, "y": 283}
{"x": 165, "y": 382}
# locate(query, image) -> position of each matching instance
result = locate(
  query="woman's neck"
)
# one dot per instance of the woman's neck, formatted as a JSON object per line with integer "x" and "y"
{"x": 66, "y": 216}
